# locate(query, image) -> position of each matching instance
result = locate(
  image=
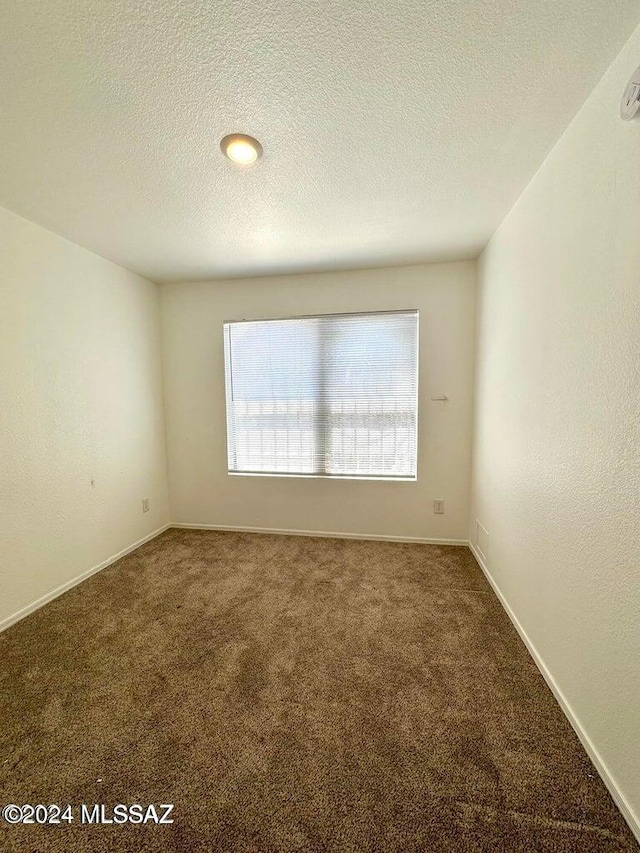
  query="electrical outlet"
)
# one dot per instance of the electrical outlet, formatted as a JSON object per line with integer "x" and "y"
{"x": 438, "y": 507}
{"x": 145, "y": 504}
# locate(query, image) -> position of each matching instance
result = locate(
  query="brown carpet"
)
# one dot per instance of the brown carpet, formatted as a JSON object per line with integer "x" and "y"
{"x": 292, "y": 694}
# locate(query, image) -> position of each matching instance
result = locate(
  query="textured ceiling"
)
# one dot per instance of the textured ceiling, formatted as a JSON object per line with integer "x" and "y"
{"x": 393, "y": 131}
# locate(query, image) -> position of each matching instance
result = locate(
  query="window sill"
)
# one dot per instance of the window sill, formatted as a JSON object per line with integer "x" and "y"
{"x": 292, "y": 475}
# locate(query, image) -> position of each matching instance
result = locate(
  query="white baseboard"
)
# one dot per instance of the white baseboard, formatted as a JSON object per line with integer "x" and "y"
{"x": 54, "y": 593}
{"x": 618, "y": 797}
{"x": 416, "y": 540}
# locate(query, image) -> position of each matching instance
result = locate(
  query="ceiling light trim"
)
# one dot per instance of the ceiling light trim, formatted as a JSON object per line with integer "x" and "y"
{"x": 241, "y": 149}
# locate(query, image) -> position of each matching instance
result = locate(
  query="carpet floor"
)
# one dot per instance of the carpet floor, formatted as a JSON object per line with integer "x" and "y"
{"x": 291, "y": 694}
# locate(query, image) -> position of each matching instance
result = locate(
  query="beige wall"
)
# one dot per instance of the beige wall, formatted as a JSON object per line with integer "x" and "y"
{"x": 557, "y": 422}
{"x": 81, "y": 400}
{"x": 201, "y": 490}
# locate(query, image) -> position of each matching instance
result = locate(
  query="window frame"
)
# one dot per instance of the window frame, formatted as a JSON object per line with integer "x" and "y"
{"x": 319, "y": 476}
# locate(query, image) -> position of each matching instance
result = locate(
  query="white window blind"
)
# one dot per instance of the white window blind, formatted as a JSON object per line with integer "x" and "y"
{"x": 328, "y": 396}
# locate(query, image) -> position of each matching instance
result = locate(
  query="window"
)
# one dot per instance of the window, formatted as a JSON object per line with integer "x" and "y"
{"x": 329, "y": 396}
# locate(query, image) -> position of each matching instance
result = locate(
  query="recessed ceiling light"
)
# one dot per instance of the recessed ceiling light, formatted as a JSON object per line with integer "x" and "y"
{"x": 241, "y": 149}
